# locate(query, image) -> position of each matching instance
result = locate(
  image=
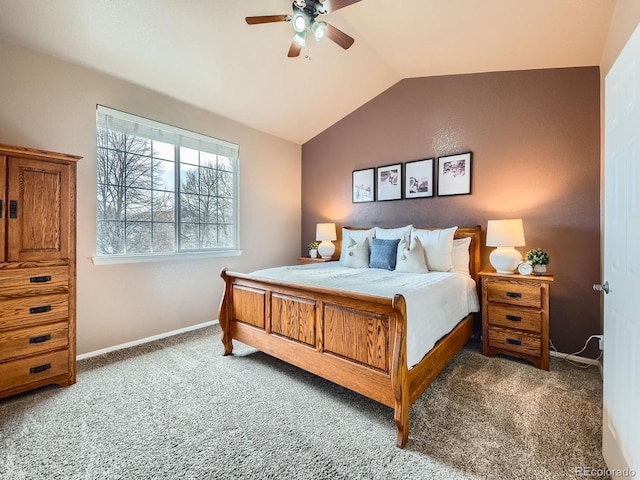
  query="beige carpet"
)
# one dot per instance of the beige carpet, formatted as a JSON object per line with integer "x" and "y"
{"x": 176, "y": 408}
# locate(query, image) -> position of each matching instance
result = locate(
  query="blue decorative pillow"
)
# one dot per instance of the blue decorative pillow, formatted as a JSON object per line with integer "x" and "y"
{"x": 384, "y": 253}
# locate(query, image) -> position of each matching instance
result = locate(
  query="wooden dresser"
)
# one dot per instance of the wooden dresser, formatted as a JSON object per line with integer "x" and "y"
{"x": 515, "y": 316}
{"x": 37, "y": 269}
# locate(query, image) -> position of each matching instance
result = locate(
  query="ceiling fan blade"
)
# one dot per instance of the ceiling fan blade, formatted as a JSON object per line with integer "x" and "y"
{"x": 267, "y": 19}
{"x": 338, "y": 36}
{"x": 333, "y": 5}
{"x": 294, "y": 49}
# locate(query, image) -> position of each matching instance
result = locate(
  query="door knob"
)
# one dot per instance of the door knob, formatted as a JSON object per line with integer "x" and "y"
{"x": 604, "y": 287}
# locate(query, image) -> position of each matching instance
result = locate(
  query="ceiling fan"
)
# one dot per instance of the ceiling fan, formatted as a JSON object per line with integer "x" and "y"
{"x": 304, "y": 17}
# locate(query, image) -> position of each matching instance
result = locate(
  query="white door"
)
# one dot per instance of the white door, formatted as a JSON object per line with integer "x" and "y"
{"x": 621, "y": 422}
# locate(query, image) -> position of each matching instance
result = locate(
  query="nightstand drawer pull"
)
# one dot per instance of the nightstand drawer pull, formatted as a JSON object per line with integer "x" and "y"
{"x": 41, "y": 279}
{"x": 43, "y": 309}
{"x": 511, "y": 341}
{"x": 514, "y": 318}
{"x": 514, "y": 295}
{"x": 40, "y": 339}
{"x": 40, "y": 368}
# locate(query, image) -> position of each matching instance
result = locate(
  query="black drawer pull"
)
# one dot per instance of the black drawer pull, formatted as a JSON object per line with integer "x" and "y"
{"x": 41, "y": 279}
{"x": 513, "y": 318}
{"x": 1, "y": 208}
{"x": 13, "y": 209}
{"x": 40, "y": 339}
{"x": 514, "y": 294}
{"x": 43, "y": 309}
{"x": 40, "y": 368}
{"x": 511, "y": 341}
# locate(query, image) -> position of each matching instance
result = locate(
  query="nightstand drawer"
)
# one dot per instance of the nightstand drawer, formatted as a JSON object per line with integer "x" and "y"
{"x": 527, "y": 295}
{"x": 515, "y": 341}
{"x": 520, "y": 318}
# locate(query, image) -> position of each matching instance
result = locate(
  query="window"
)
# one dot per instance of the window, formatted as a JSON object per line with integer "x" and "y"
{"x": 163, "y": 190}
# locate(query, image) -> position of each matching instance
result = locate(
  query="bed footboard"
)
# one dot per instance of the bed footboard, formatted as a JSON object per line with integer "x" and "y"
{"x": 355, "y": 340}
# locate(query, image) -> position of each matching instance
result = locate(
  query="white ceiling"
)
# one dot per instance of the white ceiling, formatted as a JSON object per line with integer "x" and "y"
{"x": 202, "y": 51}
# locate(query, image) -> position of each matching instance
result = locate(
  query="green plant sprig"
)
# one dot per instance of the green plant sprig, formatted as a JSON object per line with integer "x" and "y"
{"x": 538, "y": 256}
{"x": 312, "y": 245}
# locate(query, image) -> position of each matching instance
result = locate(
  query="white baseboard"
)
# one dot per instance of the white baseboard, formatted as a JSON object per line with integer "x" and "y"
{"x": 146, "y": 340}
{"x": 575, "y": 358}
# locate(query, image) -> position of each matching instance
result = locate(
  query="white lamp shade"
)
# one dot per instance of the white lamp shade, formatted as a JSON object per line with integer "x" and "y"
{"x": 326, "y": 233}
{"x": 505, "y": 234}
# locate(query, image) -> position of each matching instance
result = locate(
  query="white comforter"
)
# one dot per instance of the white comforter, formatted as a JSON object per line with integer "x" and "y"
{"x": 436, "y": 301}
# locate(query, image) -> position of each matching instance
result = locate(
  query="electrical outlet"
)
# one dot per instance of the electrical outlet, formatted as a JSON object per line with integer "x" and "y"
{"x": 600, "y": 341}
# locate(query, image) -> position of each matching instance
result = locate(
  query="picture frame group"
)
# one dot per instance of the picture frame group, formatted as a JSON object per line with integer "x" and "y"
{"x": 385, "y": 183}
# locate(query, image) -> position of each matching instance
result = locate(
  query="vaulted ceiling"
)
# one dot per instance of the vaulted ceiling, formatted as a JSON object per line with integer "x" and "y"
{"x": 202, "y": 51}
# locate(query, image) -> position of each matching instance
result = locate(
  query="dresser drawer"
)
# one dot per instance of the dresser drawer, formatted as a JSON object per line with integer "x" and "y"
{"x": 520, "y": 318}
{"x": 34, "y": 340}
{"x": 527, "y": 295}
{"x": 18, "y": 282}
{"x": 33, "y": 369}
{"x": 515, "y": 341}
{"x": 32, "y": 311}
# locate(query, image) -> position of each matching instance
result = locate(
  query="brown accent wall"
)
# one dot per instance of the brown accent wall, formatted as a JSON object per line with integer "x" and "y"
{"x": 535, "y": 138}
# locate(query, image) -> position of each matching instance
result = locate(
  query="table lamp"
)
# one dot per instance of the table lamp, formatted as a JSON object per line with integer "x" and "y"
{"x": 326, "y": 233}
{"x": 505, "y": 235}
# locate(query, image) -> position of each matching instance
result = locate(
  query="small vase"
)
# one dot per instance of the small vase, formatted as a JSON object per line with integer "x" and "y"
{"x": 313, "y": 253}
{"x": 539, "y": 269}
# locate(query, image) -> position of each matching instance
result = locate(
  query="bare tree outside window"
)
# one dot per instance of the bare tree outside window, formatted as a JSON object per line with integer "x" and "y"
{"x": 206, "y": 202}
{"x": 141, "y": 209}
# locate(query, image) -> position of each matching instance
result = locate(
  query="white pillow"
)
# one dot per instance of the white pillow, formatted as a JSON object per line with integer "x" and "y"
{"x": 358, "y": 236}
{"x": 460, "y": 255}
{"x": 394, "y": 233}
{"x": 438, "y": 246}
{"x": 411, "y": 258}
{"x": 357, "y": 254}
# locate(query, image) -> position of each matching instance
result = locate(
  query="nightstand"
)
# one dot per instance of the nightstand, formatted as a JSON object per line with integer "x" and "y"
{"x": 304, "y": 260}
{"x": 515, "y": 316}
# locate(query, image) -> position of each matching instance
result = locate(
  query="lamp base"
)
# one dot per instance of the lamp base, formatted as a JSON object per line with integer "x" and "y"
{"x": 326, "y": 249}
{"x": 505, "y": 259}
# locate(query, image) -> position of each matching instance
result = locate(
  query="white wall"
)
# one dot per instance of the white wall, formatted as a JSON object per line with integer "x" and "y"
{"x": 50, "y": 104}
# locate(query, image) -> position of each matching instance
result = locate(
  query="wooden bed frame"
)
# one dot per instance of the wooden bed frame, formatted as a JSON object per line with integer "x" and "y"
{"x": 355, "y": 340}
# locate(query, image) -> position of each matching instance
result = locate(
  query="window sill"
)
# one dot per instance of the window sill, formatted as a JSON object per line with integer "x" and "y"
{"x": 160, "y": 257}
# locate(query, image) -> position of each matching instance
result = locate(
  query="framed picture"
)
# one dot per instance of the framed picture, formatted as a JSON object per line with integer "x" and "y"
{"x": 362, "y": 186}
{"x": 418, "y": 178}
{"x": 454, "y": 174}
{"x": 389, "y": 182}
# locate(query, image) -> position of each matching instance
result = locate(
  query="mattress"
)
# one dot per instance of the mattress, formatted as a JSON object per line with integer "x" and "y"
{"x": 435, "y": 301}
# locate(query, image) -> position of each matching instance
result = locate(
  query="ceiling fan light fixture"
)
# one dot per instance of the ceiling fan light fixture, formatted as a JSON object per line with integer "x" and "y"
{"x": 300, "y": 38}
{"x": 319, "y": 30}
{"x": 299, "y": 22}
{"x": 320, "y": 9}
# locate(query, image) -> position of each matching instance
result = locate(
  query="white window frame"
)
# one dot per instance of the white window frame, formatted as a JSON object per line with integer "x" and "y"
{"x": 142, "y": 127}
